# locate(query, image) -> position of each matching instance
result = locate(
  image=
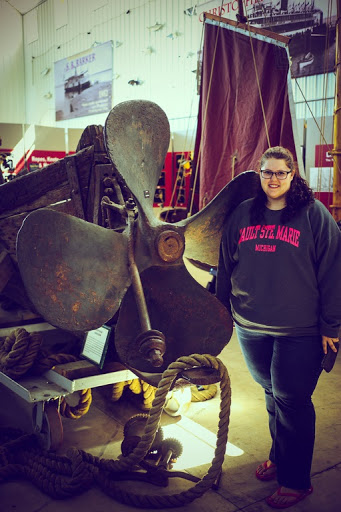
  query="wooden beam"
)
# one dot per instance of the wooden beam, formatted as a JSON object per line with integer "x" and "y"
{"x": 6, "y": 269}
{"x": 248, "y": 28}
{"x": 82, "y": 368}
{"x": 41, "y": 188}
{"x": 75, "y": 190}
{"x": 336, "y": 151}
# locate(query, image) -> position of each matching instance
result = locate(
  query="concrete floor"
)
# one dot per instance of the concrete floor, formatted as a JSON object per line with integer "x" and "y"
{"x": 100, "y": 432}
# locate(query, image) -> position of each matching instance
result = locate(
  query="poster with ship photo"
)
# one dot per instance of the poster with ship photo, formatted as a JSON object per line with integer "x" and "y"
{"x": 83, "y": 83}
{"x": 310, "y": 24}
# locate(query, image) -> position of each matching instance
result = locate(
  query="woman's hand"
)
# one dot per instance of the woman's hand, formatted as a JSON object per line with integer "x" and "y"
{"x": 327, "y": 340}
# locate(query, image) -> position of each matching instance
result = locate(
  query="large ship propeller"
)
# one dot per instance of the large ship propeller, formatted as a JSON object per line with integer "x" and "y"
{"x": 78, "y": 274}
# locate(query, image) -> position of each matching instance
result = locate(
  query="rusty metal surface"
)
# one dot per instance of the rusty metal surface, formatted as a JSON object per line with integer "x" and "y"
{"x": 204, "y": 229}
{"x": 78, "y": 275}
{"x": 191, "y": 319}
{"x": 75, "y": 273}
{"x": 137, "y": 137}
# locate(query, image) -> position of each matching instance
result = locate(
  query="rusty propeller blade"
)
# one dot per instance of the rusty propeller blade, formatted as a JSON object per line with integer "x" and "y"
{"x": 203, "y": 230}
{"x": 190, "y": 317}
{"x": 75, "y": 272}
{"x": 136, "y": 135}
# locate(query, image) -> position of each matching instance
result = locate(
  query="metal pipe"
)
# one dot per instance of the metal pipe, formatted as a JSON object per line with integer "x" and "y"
{"x": 135, "y": 276}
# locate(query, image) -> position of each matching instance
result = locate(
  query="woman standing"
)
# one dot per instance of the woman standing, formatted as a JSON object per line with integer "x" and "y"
{"x": 279, "y": 275}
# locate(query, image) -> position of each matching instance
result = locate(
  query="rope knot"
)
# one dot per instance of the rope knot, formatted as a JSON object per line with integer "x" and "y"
{"x": 18, "y": 352}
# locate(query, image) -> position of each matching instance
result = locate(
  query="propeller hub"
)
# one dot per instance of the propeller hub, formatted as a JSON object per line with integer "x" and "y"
{"x": 170, "y": 245}
{"x": 152, "y": 346}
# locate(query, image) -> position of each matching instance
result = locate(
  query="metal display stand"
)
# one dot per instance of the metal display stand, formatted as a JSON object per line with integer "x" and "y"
{"x": 45, "y": 393}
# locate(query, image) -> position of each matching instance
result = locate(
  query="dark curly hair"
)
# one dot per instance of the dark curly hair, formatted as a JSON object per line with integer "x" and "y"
{"x": 298, "y": 196}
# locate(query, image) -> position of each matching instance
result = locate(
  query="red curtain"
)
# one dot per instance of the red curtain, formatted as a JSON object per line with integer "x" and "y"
{"x": 230, "y": 120}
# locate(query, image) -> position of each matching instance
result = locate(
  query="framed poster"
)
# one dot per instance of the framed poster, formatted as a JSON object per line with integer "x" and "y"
{"x": 83, "y": 83}
{"x": 310, "y": 24}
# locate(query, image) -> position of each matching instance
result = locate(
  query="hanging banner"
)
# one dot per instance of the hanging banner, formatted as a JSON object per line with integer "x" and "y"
{"x": 311, "y": 25}
{"x": 83, "y": 83}
{"x": 228, "y": 141}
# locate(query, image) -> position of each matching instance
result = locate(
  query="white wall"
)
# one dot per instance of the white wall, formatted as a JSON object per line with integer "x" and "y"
{"x": 163, "y": 60}
{"x": 163, "y": 63}
{"x": 12, "y": 83}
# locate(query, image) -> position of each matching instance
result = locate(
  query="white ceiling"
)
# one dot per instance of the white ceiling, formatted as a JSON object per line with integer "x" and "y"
{"x": 23, "y": 6}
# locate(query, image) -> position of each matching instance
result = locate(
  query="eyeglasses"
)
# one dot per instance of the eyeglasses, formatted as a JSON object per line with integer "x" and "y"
{"x": 281, "y": 175}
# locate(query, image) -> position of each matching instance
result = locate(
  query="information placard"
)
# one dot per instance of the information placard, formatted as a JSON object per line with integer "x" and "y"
{"x": 96, "y": 345}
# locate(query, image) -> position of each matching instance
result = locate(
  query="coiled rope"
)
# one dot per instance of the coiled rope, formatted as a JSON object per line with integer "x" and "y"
{"x": 204, "y": 393}
{"x": 138, "y": 387}
{"x": 63, "y": 477}
{"x": 77, "y": 411}
{"x": 20, "y": 354}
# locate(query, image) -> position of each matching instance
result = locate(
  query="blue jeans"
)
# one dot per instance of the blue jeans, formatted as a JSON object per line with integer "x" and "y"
{"x": 288, "y": 369}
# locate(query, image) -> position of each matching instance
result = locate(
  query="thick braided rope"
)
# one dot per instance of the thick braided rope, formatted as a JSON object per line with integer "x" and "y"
{"x": 136, "y": 386}
{"x": 106, "y": 480}
{"x": 18, "y": 352}
{"x": 117, "y": 390}
{"x": 57, "y": 476}
{"x": 149, "y": 392}
{"x": 63, "y": 477}
{"x": 139, "y": 386}
{"x": 85, "y": 397}
{"x": 77, "y": 411}
{"x": 5, "y": 454}
{"x": 169, "y": 375}
{"x": 206, "y": 393}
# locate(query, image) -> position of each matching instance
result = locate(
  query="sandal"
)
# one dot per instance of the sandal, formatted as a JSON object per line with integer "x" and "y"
{"x": 263, "y": 473}
{"x": 298, "y": 496}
